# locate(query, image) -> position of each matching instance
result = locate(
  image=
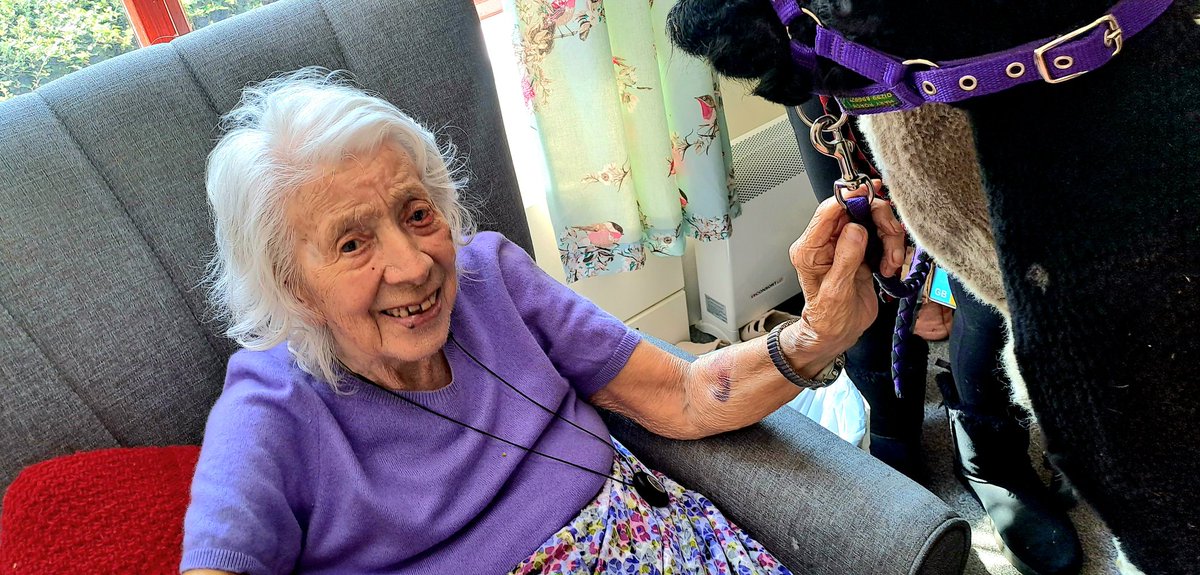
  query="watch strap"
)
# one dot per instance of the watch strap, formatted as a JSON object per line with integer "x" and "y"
{"x": 827, "y": 375}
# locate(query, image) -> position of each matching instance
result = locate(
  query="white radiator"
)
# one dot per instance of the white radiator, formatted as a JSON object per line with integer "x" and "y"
{"x": 748, "y": 274}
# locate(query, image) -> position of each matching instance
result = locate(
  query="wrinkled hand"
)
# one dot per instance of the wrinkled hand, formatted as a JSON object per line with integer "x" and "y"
{"x": 839, "y": 294}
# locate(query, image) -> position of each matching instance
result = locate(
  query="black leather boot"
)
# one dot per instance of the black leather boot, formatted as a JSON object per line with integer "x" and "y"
{"x": 896, "y": 423}
{"x": 1034, "y": 533}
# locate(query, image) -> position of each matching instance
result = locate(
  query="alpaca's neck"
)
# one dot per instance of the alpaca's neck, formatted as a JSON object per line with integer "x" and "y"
{"x": 1106, "y": 133}
{"x": 947, "y": 30}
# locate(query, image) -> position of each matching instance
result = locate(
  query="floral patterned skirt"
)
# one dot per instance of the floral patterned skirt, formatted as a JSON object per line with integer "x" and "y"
{"x": 619, "y": 533}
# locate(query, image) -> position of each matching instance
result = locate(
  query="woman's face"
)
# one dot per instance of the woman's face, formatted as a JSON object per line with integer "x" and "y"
{"x": 375, "y": 261}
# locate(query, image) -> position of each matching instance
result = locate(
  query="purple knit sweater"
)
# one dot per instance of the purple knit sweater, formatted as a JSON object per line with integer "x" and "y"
{"x": 295, "y": 477}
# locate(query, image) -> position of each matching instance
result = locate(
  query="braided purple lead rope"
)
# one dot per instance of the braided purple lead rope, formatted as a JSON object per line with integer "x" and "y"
{"x": 908, "y": 290}
{"x": 906, "y": 315}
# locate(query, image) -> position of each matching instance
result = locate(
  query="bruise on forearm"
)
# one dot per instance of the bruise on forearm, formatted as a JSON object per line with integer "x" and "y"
{"x": 724, "y": 384}
{"x": 733, "y": 387}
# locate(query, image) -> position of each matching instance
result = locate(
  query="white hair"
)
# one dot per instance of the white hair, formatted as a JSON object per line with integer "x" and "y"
{"x": 285, "y": 133}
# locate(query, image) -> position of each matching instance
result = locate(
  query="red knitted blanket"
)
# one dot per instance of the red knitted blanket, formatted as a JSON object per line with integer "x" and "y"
{"x": 110, "y": 511}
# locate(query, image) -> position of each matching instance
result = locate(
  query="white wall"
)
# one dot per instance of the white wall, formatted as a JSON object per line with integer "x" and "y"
{"x": 745, "y": 111}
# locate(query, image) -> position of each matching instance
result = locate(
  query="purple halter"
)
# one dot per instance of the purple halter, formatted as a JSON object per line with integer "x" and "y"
{"x": 905, "y": 84}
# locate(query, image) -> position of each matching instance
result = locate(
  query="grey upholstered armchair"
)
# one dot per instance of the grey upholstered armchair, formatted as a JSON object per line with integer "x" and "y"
{"x": 105, "y": 339}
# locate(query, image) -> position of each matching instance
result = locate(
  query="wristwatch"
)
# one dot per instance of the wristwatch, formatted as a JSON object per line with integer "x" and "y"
{"x": 822, "y": 379}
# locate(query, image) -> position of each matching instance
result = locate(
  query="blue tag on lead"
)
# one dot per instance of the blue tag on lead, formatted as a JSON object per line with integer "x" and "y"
{"x": 939, "y": 289}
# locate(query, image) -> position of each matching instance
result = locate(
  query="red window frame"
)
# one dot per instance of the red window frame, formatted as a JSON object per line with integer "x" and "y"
{"x": 157, "y": 21}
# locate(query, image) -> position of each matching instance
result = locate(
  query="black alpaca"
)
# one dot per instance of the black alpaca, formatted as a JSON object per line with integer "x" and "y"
{"x": 1095, "y": 209}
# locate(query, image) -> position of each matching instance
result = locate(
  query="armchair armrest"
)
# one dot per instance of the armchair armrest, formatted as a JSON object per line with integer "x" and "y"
{"x": 819, "y": 504}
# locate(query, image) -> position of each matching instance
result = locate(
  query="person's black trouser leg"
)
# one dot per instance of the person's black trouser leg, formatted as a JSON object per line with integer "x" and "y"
{"x": 976, "y": 341}
{"x": 895, "y": 423}
{"x": 991, "y": 445}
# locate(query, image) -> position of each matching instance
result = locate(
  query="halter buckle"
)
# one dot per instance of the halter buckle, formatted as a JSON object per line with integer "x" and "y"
{"x": 1113, "y": 38}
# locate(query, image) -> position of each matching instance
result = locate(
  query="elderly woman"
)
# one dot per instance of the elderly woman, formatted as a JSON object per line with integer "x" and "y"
{"x": 414, "y": 398}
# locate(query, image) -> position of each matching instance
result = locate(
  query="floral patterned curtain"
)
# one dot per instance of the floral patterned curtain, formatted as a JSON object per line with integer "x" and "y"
{"x": 633, "y": 132}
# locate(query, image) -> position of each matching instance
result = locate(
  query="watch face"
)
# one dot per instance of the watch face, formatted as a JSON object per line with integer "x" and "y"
{"x": 839, "y": 364}
{"x": 831, "y": 373}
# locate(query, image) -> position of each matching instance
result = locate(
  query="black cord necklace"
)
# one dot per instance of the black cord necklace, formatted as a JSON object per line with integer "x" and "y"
{"x": 646, "y": 485}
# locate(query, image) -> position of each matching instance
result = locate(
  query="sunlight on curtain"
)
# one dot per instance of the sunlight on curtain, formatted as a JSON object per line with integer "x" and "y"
{"x": 632, "y": 129}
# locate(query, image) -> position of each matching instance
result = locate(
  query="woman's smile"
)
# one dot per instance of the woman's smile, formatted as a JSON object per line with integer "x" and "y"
{"x": 415, "y": 315}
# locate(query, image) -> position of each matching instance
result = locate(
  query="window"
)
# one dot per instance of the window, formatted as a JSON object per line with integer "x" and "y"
{"x": 205, "y": 12}
{"x": 41, "y": 40}
{"x": 45, "y": 39}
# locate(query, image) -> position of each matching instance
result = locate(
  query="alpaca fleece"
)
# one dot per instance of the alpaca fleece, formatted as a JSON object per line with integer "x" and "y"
{"x": 1094, "y": 209}
{"x": 927, "y": 157}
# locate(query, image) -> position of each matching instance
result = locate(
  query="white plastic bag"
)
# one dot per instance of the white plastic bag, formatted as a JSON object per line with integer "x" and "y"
{"x": 840, "y": 408}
